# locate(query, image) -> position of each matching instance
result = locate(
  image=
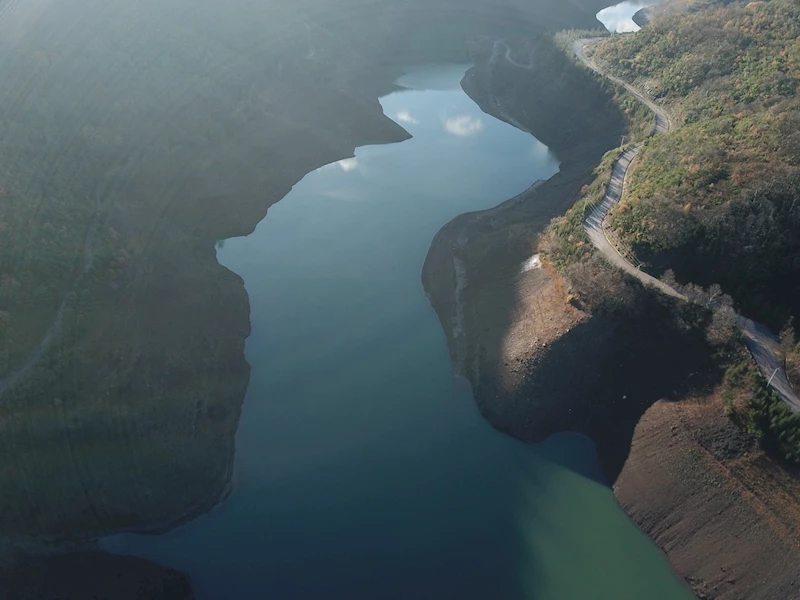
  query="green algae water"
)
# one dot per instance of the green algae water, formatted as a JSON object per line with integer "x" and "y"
{"x": 363, "y": 468}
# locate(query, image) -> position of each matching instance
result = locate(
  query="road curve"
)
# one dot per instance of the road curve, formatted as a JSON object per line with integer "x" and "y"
{"x": 501, "y": 42}
{"x": 595, "y": 228}
{"x": 763, "y": 345}
{"x": 663, "y": 122}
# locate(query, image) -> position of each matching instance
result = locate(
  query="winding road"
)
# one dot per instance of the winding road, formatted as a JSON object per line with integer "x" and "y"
{"x": 663, "y": 122}
{"x": 496, "y": 54}
{"x": 763, "y": 345}
{"x": 498, "y": 43}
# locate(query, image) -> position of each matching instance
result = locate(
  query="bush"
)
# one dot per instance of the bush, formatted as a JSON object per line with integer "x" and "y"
{"x": 760, "y": 410}
{"x": 774, "y": 424}
{"x": 724, "y": 328}
{"x": 600, "y": 285}
{"x": 565, "y": 243}
{"x": 791, "y": 354}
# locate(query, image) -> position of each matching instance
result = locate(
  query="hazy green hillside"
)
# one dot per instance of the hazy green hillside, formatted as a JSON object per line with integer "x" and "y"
{"x": 136, "y": 135}
{"x": 718, "y": 200}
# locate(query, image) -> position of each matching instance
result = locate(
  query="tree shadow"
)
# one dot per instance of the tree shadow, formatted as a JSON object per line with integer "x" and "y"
{"x": 602, "y": 376}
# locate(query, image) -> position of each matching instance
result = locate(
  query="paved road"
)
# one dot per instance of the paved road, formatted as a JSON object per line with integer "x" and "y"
{"x": 762, "y": 343}
{"x": 765, "y": 348}
{"x": 595, "y": 229}
{"x": 496, "y": 54}
{"x": 500, "y": 42}
{"x": 663, "y": 122}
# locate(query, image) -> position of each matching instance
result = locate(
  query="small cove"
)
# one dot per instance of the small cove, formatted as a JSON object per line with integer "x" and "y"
{"x": 363, "y": 468}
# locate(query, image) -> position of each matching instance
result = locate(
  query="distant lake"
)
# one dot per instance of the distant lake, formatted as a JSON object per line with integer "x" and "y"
{"x": 363, "y": 468}
{"x": 619, "y": 18}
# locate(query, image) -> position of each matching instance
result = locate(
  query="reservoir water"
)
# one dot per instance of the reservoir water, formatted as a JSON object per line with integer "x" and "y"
{"x": 619, "y": 17}
{"x": 363, "y": 468}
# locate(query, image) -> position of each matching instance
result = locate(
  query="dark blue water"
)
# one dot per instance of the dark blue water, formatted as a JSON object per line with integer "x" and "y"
{"x": 363, "y": 469}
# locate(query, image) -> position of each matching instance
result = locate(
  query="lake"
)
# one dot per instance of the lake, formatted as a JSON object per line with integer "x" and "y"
{"x": 619, "y": 18}
{"x": 363, "y": 468}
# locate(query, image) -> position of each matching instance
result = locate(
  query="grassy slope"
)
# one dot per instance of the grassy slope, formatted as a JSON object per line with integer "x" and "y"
{"x": 717, "y": 200}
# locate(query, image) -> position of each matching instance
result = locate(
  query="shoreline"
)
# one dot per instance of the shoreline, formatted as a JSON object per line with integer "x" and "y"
{"x": 523, "y": 216}
{"x": 532, "y": 383}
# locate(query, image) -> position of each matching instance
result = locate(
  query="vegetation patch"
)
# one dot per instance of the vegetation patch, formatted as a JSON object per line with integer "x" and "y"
{"x": 753, "y": 405}
{"x": 565, "y": 242}
{"x": 719, "y": 199}
{"x": 790, "y": 346}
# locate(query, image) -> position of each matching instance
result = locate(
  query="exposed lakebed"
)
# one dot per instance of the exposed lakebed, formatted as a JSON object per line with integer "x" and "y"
{"x": 363, "y": 468}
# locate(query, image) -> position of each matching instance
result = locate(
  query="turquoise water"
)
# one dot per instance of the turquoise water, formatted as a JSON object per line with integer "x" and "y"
{"x": 363, "y": 468}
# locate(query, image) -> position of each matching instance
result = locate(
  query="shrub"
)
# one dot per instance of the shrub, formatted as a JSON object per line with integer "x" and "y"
{"x": 760, "y": 410}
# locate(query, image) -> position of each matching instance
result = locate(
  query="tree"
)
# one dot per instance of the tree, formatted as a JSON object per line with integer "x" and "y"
{"x": 790, "y": 348}
{"x": 788, "y": 338}
{"x": 601, "y": 286}
{"x": 724, "y": 327}
{"x": 714, "y": 293}
{"x": 668, "y": 277}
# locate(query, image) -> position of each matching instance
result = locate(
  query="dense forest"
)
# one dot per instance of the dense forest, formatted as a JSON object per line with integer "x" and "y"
{"x": 718, "y": 200}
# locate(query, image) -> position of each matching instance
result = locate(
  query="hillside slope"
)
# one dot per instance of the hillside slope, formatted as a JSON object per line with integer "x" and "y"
{"x": 136, "y": 136}
{"x": 717, "y": 201}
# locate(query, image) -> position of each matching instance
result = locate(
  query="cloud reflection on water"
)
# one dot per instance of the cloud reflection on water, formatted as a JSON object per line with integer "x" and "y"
{"x": 348, "y": 164}
{"x": 463, "y": 125}
{"x": 405, "y": 117}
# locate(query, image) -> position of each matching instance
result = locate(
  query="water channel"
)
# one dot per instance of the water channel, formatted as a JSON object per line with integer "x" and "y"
{"x": 363, "y": 468}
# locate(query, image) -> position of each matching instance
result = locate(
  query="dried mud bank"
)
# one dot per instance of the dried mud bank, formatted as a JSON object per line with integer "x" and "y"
{"x": 725, "y": 513}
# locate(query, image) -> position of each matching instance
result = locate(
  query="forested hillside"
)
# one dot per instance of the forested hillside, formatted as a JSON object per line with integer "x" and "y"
{"x": 718, "y": 200}
{"x": 135, "y": 136}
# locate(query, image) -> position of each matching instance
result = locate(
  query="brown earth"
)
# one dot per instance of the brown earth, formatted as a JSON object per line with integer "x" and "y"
{"x": 642, "y": 387}
{"x": 726, "y": 514}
